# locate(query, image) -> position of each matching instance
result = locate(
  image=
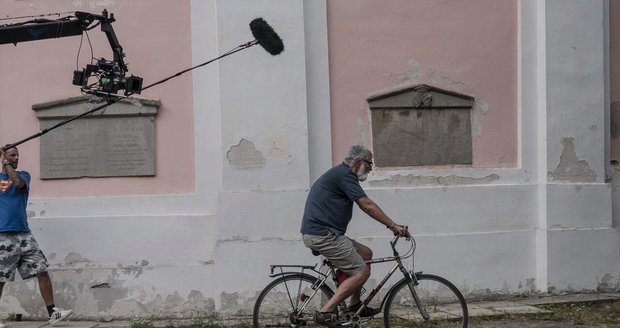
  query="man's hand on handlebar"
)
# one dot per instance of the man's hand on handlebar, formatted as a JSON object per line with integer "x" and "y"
{"x": 400, "y": 230}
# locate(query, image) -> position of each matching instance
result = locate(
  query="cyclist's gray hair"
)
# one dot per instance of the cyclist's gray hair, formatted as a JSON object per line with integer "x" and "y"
{"x": 356, "y": 152}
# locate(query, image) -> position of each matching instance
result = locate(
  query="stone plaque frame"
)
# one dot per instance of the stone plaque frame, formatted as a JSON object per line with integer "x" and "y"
{"x": 421, "y": 125}
{"x": 117, "y": 141}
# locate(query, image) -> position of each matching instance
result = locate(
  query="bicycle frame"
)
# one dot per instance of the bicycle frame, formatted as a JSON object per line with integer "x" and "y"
{"x": 331, "y": 273}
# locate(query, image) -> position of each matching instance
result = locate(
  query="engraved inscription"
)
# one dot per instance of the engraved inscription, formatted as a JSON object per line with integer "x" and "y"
{"x": 98, "y": 146}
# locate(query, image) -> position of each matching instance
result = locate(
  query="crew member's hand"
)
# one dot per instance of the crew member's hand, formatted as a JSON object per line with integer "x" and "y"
{"x": 400, "y": 230}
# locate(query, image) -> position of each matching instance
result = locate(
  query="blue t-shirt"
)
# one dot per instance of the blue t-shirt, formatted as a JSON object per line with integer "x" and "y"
{"x": 329, "y": 206}
{"x": 13, "y": 202}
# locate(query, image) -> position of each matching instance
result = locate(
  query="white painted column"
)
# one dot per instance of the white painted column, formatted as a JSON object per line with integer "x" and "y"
{"x": 575, "y": 207}
{"x": 533, "y": 124}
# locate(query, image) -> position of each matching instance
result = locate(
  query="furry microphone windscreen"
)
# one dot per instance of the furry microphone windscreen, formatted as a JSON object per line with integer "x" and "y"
{"x": 266, "y": 36}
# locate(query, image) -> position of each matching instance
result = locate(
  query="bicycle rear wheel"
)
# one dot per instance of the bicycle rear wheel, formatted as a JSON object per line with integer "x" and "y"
{"x": 278, "y": 304}
{"x": 439, "y": 298}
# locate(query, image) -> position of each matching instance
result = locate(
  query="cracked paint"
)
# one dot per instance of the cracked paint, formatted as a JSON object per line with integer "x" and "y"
{"x": 418, "y": 180}
{"x": 571, "y": 169}
{"x": 245, "y": 156}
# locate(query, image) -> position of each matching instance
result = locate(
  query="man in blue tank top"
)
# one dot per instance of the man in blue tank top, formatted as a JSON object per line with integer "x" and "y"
{"x": 327, "y": 214}
{"x": 18, "y": 248}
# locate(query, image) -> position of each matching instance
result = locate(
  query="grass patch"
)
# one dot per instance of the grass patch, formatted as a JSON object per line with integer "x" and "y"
{"x": 194, "y": 323}
{"x": 591, "y": 313}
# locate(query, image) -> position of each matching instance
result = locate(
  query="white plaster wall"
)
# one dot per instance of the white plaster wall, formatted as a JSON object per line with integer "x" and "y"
{"x": 263, "y": 99}
{"x": 141, "y": 264}
{"x": 583, "y": 259}
{"x": 576, "y": 80}
{"x": 484, "y": 247}
{"x": 574, "y": 206}
{"x": 187, "y": 255}
{"x": 581, "y": 244}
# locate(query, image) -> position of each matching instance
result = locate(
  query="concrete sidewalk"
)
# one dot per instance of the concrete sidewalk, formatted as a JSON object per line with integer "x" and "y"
{"x": 517, "y": 306}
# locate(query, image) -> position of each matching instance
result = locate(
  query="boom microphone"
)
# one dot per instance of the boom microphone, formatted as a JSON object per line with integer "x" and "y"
{"x": 266, "y": 36}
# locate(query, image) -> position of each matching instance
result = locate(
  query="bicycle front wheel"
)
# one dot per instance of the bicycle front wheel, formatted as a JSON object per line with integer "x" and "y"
{"x": 279, "y": 304}
{"x": 440, "y": 304}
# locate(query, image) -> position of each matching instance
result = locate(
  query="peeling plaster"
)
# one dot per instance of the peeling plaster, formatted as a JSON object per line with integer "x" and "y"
{"x": 74, "y": 258}
{"x": 281, "y": 145}
{"x": 607, "y": 284}
{"x": 244, "y": 156}
{"x": 505, "y": 160}
{"x": 436, "y": 76}
{"x": 418, "y": 180}
{"x": 110, "y": 297}
{"x": 237, "y": 304}
{"x": 412, "y": 75}
{"x": 478, "y": 112}
{"x": 409, "y": 76}
{"x": 570, "y": 169}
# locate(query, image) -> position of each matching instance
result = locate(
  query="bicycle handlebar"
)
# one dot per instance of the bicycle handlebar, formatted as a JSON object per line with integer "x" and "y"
{"x": 397, "y": 237}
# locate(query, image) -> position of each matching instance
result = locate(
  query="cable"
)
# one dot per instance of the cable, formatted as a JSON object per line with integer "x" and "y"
{"x": 77, "y": 59}
{"x": 92, "y": 54}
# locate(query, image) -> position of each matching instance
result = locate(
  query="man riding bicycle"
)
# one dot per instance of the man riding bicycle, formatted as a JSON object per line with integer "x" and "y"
{"x": 327, "y": 213}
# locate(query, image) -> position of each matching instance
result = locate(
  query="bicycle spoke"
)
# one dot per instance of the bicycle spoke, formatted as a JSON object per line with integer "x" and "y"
{"x": 277, "y": 305}
{"x": 440, "y": 300}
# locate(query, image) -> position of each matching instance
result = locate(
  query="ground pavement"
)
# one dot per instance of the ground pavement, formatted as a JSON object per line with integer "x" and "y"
{"x": 519, "y": 306}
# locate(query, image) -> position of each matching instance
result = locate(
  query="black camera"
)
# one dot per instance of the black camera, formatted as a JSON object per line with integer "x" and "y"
{"x": 110, "y": 77}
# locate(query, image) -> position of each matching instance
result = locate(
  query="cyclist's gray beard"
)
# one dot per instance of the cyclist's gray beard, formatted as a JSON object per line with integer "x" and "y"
{"x": 361, "y": 176}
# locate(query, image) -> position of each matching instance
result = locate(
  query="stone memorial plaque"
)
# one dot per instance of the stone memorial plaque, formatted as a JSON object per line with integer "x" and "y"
{"x": 117, "y": 142}
{"x": 421, "y": 125}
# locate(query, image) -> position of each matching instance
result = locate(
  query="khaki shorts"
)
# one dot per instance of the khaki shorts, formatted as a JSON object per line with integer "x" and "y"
{"x": 338, "y": 249}
{"x": 20, "y": 251}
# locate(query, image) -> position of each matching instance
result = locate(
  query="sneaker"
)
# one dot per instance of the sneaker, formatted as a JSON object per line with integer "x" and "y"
{"x": 329, "y": 319}
{"x": 2, "y": 324}
{"x": 366, "y": 312}
{"x": 58, "y": 315}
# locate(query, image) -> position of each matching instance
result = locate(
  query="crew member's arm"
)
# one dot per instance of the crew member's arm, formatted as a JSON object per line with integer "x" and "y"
{"x": 18, "y": 181}
{"x": 374, "y": 211}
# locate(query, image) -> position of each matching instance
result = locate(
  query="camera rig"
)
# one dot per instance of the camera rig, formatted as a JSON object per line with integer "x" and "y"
{"x": 110, "y": 75}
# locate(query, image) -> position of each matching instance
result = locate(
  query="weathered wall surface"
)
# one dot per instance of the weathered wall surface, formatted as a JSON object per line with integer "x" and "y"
{"x": 259, "y": 130}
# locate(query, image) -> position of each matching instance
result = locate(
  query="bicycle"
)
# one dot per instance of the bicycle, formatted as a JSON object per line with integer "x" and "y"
{"x": 417, "y": 300}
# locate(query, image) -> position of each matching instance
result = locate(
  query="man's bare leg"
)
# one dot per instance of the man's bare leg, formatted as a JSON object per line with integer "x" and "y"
{"x": 45, "y": 286}
{"x": 353, "y": 284}
{"x": 366, "y": 254}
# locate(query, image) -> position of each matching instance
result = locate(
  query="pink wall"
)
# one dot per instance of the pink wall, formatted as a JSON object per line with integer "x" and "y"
{"x": 156, "y": 36}
{"x": 470, "y": 42}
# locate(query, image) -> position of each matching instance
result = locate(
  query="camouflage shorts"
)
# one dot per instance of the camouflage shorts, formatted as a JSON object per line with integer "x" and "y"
{"x": 20, "y": 251}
